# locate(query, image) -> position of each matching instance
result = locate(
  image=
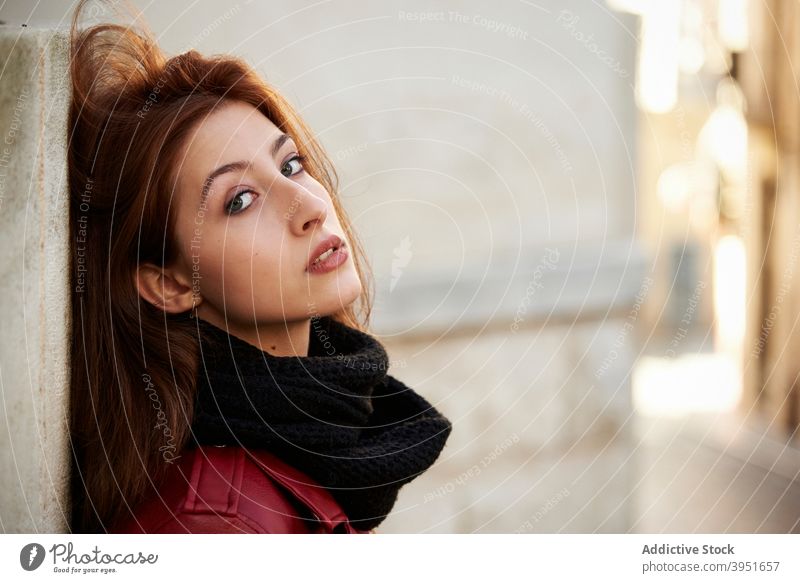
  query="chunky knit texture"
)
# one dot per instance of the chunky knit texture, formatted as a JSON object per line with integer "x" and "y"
{"x": 335, "y": 414}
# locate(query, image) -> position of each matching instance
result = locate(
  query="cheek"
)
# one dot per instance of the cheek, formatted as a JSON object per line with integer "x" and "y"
{"x": 248, "y": 257}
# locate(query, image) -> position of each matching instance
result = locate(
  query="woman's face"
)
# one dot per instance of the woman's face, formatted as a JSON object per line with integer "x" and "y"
{"x": 246, "y": 234}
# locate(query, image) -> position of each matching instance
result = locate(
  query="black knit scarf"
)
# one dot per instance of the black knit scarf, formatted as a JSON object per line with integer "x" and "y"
{"x": 335, "y": 414}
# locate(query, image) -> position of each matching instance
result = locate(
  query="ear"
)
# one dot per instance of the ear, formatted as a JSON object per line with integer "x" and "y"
{"x": 165, "y": 288}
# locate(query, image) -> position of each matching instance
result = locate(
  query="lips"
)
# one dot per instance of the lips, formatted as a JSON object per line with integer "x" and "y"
{"x": 331, "y": 242}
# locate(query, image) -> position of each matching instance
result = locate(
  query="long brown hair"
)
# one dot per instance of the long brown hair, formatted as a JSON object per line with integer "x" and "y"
{"x": 134, "y": 367}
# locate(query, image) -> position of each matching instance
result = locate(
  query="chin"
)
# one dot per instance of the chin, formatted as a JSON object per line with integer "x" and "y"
{"x": 341, "y": 294}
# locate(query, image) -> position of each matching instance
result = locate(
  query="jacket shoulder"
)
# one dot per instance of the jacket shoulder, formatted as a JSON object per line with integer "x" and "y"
{"x": 236, "y": 490}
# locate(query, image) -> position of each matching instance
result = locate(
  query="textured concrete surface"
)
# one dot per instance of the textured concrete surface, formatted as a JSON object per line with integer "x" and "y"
{"x": 540, "y": 443}
{"x": 33, "y": 280}
{"x": 712, "y": 474}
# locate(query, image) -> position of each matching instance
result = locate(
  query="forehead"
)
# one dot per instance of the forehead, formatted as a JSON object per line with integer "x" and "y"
{"x": 234, "y": 131}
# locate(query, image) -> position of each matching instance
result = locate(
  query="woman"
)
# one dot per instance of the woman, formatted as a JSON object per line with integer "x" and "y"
{"x": 223, "y": 380}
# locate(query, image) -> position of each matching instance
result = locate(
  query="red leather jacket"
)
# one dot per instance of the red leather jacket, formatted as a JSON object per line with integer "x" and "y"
{"x": 214, "y": 489}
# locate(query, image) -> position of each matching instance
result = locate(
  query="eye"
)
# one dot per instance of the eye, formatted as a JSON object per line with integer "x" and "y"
{"x": 299, "y": 160}
{"x": 240, "y": 201}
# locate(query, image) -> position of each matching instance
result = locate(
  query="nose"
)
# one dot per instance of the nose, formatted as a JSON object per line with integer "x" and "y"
{"x": 307, "y": 211}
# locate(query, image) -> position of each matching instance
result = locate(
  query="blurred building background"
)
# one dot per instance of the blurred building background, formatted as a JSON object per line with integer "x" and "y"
{"x": 583, "y": 221}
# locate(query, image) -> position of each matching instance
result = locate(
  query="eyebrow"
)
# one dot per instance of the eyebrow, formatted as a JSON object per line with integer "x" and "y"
{"x": 239, "y": 165}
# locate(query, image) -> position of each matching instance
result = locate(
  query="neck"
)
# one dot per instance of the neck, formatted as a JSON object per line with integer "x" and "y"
{"x": 277, "y": 339}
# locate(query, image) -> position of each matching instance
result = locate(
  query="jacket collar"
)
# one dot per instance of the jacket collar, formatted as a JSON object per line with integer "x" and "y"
{"x": 314, "y": 496}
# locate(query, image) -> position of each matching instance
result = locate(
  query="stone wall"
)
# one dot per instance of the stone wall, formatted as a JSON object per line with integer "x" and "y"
{"x": 34, "y": 308}
{"x": 541, "y": 442}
